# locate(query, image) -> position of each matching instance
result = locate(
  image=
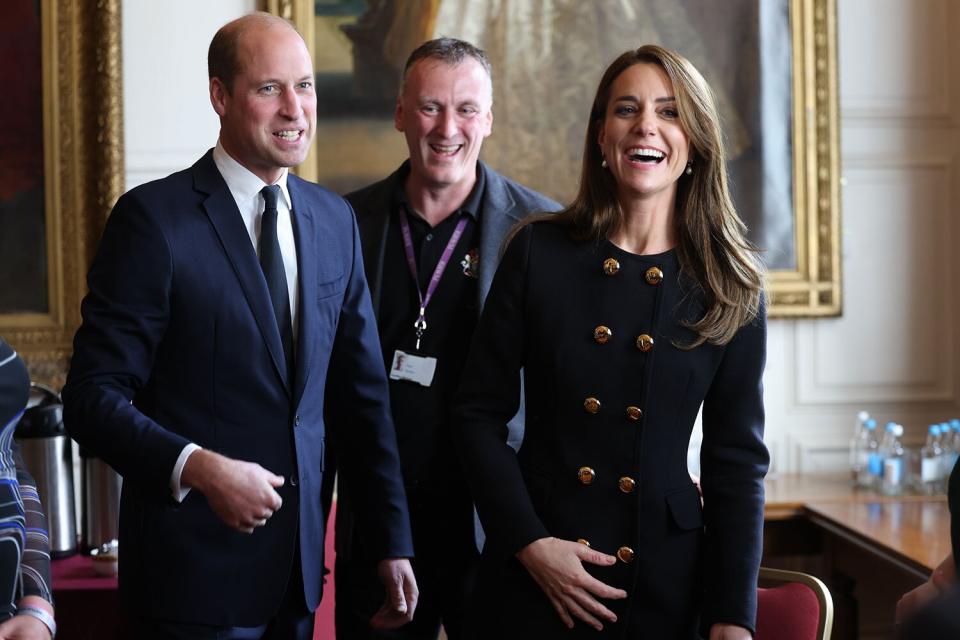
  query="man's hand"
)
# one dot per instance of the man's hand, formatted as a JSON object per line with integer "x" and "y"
{"x": 242, "y": 494}
{"x": 557, "y": 566}
{"x": 914, "y": 600}
{"x": 943, "y": 577}
{"x": 722, "y": 631}
{"x": 396, "y": 574}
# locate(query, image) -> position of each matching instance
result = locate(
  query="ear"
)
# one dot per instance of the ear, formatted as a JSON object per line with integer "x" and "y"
{"x": 489, "y": 122}
{"x": 601, "y": 135}
{"x": 398, "y": 115}
{"x": 219, "y": 96}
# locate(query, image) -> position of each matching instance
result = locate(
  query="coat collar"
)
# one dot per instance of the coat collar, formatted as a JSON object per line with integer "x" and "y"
{"x": 498, "y": 213}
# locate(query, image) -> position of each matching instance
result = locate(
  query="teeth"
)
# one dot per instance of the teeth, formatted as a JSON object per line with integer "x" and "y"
{"x": 288, "y": 135}
{"x": 645, "y": 153}
{"x": 445, "y": 148}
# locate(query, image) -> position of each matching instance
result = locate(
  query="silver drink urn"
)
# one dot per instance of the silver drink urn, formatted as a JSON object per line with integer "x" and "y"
{"x": 101, "y": 502}
{"x": 48, "y": 455}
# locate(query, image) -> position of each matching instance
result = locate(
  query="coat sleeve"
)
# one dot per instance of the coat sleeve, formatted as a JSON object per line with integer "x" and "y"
{"x": 733, "y": 463}
{"x": 366, "y": 442}
{"x": 125, "y": 315}
{"x": 488, "y": 398}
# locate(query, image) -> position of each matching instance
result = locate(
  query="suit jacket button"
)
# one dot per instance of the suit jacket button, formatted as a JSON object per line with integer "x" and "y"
{"x": 602, "y": 334}
{"x": 293, "y": 481}
{"x": 634, "y": 413}
{"x": 591, "y": 404}
{"x": 296, "y": 421}
{"x": 586, "y": 475}
{"x": 584, "y": 542}
{"x": 644, "y": 342}
{"x": 627, "y": 484}
{"x": 625, "y": 554}
{"x": 653, "y": 275}
{"x": 611, "y": 266}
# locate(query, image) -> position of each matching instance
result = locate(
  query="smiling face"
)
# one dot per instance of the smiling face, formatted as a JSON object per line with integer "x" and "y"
{"x": 444, "y": 113}
{"x": 641, "y": 137}
{"x": 268, "y": 120}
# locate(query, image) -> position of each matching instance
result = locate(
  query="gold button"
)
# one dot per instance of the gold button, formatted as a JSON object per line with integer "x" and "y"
{"x": 634, "y": 413}
{"x": 644, "y": 342}
{"x": 592, "y": 405}
{"x": 602, "y": 334}
{"x": 653, "y": 275}
{"x": 627, "y": 484}
{"x": 586, "y": 475}
{"x": 583, "y": 542}
{"x": 611, "y": 267}
{"x": 625, "y": 554}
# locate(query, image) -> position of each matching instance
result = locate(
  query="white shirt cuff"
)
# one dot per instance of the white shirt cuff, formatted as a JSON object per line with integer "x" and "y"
{"x": 178, "y": 492}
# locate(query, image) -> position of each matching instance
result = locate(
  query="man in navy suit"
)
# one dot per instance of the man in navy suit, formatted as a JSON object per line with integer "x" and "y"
{"x": 226, "y": 302}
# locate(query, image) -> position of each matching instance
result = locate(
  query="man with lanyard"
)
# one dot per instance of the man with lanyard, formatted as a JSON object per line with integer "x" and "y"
{"x": 431, "y": 235}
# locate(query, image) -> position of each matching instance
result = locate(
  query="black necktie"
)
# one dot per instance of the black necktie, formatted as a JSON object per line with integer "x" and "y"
{"x": 271, "y": 261}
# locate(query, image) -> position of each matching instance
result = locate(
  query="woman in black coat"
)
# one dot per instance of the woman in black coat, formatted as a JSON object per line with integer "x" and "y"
{"x": 626, "y": 312}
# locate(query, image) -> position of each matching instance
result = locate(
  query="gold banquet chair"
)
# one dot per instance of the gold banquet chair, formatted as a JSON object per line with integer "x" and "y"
{"x": 792, "y": 606}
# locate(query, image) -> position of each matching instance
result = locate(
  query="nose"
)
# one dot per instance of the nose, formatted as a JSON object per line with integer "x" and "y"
{"x": 290, "y": 104}
{"x": 646, "y": 123}
{"x": 447, "y": 123}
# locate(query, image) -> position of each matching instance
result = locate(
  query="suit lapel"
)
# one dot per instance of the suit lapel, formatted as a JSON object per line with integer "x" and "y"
{"x": 222, "y": 211}
{"x": 496, "y": 219}
{"x": 305, "y": 235}
{"x": 373, "y": 221}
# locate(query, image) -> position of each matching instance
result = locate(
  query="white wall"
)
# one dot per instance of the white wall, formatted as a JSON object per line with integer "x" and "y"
{"x": 168, "y": 120}
{"x": 895, "y": 350}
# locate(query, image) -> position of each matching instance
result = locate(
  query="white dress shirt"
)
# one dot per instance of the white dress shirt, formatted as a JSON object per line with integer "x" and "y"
{"x": 245, "y": 188}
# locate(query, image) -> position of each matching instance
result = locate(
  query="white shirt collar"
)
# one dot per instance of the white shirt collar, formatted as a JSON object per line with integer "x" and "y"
{"x": 244, "y": 185}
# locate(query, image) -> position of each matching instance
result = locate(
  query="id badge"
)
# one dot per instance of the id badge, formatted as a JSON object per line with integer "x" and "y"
{"x": 414, "y": 368}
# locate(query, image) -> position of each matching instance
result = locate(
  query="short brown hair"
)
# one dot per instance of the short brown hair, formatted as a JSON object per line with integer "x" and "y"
{"x": 222, "y": 59}
{"x": 450, "y": 51}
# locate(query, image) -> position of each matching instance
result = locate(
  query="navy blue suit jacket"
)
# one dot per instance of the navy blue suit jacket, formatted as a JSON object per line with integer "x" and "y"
{"x": 179, "y": 344}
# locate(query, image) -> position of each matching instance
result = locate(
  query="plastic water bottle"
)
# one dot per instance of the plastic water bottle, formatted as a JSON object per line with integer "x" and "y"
{"x": 872, "y": 469}
{"x": 893, "y": 462}
{"x": 857, "y": 443}
{"x": 931, "y": 462}
{"x": 949, "y": 435}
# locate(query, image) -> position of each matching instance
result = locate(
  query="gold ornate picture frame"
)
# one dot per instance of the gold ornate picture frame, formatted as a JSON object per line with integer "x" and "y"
{"x": 805, "y": 276}
{"x": 83, "y": 171}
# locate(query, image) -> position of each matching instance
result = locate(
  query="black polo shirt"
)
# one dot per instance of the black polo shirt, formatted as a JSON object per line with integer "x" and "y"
{"x": 422, "y": 414}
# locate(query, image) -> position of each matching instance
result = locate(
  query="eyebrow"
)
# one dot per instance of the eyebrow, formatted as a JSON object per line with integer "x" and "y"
{"x": 636, "y": 99}
{"x": 279, "y": 81}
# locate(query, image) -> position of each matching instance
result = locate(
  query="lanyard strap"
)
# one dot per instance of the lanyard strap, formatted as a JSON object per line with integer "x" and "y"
{"x": 421, "y": 323}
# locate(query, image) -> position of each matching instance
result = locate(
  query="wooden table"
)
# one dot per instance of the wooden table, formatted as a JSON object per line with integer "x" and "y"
{"x": 869, "y": 548}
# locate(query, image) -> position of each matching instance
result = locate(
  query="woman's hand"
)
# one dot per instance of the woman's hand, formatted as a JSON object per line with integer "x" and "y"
{"x": 24, "y": 627}
{"x": 557, "y": 566}
{"x": 723, "y": 631}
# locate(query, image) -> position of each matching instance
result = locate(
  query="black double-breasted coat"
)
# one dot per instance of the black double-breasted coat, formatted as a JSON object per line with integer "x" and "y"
{"x": 611, "y": 400}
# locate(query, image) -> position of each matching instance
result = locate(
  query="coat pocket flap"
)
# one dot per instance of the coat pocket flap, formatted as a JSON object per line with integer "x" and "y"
{"x": 685, "y": 507}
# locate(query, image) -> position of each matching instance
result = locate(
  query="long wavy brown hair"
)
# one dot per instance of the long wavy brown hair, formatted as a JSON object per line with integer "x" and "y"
{"x": 714, "y": 253}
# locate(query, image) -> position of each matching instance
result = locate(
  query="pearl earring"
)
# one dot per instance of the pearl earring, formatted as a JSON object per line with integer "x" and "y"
{"x": 689, "y": 169}
{"x": 603, "y": 163}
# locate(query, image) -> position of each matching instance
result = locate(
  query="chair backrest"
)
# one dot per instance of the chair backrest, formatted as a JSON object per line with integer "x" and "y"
{"x": 792, "y": 606}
